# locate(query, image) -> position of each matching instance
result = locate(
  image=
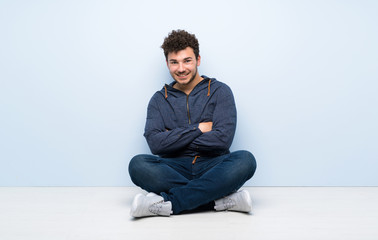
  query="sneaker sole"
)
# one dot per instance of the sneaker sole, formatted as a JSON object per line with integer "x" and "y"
{"x": 249, "y": 200}
{"x": 134, "y": 205}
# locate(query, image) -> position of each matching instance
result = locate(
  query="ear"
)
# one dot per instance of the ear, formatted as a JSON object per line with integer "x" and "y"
{"x": 199, "y": 60}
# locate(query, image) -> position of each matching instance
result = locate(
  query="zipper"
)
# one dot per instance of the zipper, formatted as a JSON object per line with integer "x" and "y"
{"x": 187, "y": 107}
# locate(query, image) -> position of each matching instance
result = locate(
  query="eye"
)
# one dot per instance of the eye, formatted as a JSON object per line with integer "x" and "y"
{"x": 188, "y": 61}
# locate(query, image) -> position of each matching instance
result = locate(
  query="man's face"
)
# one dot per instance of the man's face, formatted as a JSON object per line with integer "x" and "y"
{"x": 183, "y": 65}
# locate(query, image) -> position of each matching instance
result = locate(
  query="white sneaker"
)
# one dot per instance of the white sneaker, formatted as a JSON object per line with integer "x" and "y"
{"x": 239, "y": 201}
{"x": 150, "y": 205}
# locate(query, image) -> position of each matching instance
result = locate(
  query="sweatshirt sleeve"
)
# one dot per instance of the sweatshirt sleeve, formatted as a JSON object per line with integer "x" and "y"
{"x": 219, "y": 139}
{"x": 162, "y": 141}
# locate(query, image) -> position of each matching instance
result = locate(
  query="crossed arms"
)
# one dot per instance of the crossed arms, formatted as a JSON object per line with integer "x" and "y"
{"x": 204, "y": 137}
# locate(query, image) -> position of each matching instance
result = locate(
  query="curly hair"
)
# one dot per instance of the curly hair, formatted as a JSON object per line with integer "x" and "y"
{"x": 179, "y": 40}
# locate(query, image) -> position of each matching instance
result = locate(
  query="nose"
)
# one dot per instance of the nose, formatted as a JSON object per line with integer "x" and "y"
{"x": 181, "y": 67}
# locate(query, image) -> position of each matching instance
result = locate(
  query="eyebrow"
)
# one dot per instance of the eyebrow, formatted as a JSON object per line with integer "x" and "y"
{"x": 174, "y": 60}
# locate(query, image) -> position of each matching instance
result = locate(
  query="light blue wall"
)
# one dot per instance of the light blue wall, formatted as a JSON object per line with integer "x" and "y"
{"x": 76, "y": 76}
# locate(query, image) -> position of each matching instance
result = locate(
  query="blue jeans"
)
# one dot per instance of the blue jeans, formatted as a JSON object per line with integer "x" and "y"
{"x": 192, "y": 186}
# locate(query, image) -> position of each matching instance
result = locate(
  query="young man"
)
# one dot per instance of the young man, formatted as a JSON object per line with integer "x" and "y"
{"x": 190, "y": 126}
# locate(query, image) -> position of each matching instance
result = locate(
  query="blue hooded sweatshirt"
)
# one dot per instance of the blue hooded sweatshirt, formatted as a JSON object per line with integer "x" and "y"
{"x": 173, "y": 117}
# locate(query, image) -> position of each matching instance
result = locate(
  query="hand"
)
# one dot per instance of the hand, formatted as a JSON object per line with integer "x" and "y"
{"x": 205, "y": 126}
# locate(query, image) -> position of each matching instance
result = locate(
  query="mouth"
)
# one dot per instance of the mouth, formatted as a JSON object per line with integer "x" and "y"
{"x": 182, "y": 76}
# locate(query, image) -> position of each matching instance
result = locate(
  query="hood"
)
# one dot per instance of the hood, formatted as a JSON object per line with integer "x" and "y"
{"x": 205, "y": 83}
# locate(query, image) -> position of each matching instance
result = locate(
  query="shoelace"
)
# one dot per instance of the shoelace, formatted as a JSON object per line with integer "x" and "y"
{"x": 155, "y": 208}
{"x": 228, "y": 203}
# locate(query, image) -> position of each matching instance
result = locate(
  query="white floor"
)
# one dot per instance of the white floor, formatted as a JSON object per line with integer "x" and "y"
{"x": 91, "y": 213}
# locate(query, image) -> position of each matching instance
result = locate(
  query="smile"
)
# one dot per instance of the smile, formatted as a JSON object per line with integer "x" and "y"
{"x": 182, "y": 75}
